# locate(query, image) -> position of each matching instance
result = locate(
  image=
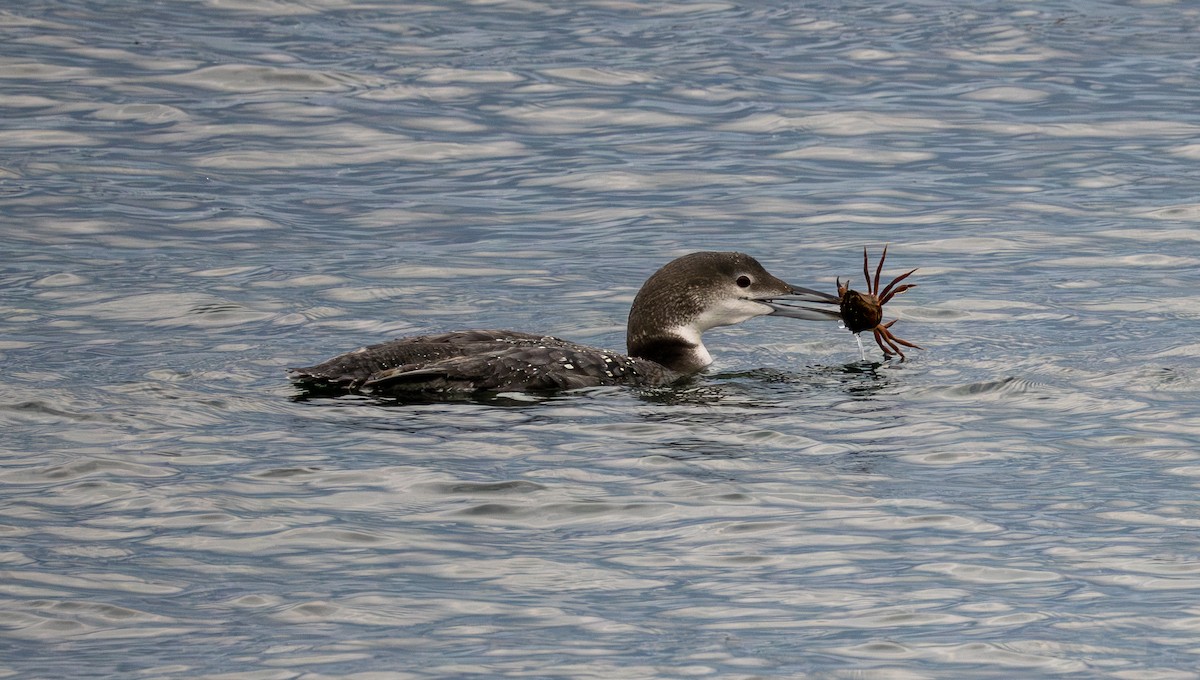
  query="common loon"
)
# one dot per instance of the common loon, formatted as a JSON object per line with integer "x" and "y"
{"x": 684, "y": 298}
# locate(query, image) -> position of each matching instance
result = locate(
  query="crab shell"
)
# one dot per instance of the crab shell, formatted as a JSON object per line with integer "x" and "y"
{"x": 860, "y": 311}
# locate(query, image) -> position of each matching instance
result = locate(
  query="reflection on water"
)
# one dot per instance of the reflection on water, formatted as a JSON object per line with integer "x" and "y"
{"x": 195, "y": 196}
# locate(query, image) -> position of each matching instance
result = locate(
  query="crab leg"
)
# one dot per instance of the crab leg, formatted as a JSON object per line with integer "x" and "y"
{"x": 902, "y": 341}
{"x": 878, "y": 271}
{"x": 867, "y": 270}
{"x": 898, "y": 291}
{"x": 880, "y": 338}
{"x": 889, "y": 292}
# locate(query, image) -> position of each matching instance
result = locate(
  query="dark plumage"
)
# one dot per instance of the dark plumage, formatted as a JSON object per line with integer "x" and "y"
{"x": 484, "y": 360}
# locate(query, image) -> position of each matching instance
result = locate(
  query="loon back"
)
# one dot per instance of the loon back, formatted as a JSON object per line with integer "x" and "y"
{"x": 479, "y": 360}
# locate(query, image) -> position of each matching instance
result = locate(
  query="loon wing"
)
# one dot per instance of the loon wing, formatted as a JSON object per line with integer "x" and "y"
{"x": 541, "y": 367}
{"x": 350, "y": 370}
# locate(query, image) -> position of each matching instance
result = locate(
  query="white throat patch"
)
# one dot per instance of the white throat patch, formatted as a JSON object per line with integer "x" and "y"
{"x": 725, "y": 313}
{"x": 728, "y": 312}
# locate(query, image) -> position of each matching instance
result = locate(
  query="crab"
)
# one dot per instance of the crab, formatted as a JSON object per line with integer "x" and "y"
{"x": 864, "y": 311}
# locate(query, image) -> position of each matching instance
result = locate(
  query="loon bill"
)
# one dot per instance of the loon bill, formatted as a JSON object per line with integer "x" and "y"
{"x": 684, "y": 298}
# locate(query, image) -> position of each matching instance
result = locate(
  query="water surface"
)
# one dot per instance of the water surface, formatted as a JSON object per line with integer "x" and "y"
{"x": 194, "y": 196}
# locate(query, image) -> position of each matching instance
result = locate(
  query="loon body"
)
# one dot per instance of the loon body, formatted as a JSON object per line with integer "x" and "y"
{"x": 680, "y": 301}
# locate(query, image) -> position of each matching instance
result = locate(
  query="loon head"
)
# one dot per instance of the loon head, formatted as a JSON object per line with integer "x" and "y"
{"x": 696, "y": 292}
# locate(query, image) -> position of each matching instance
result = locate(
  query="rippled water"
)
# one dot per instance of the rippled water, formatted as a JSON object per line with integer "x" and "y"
{"x": 195, "y": 195}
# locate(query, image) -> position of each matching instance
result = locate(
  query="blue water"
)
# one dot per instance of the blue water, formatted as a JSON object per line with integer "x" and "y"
{"x": 194, "y": 196}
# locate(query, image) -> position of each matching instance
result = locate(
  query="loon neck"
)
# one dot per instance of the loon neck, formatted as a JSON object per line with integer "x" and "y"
{"x": 674, "y": 351}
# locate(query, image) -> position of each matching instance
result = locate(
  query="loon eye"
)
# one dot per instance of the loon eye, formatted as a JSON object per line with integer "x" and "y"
{"x": 743, "y": 281}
